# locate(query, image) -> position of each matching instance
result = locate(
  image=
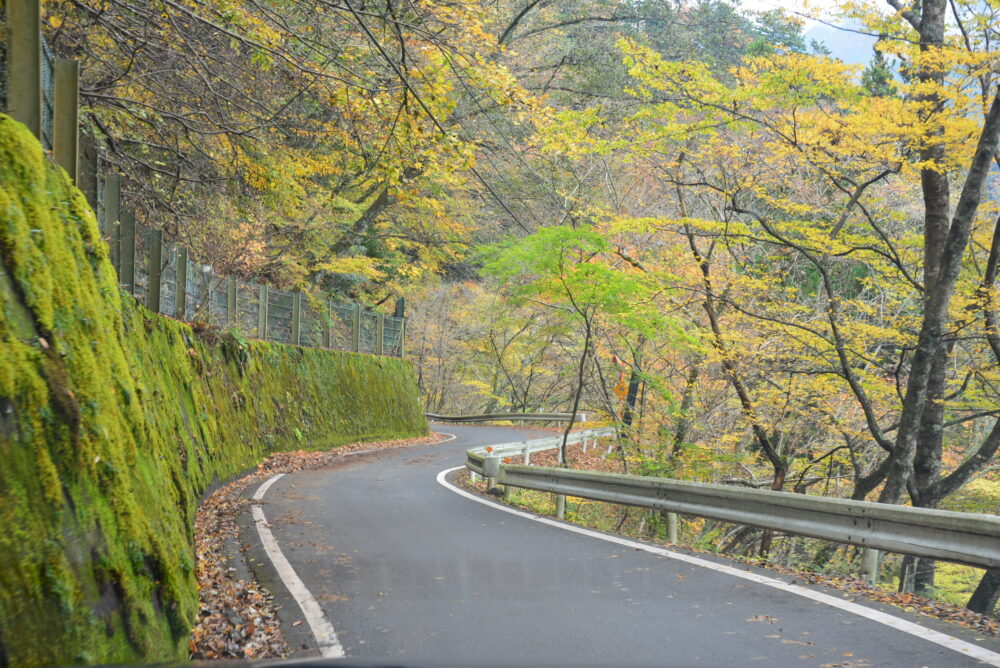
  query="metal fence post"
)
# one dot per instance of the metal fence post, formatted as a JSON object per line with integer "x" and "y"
{"x": 380, "y": 334}
{"x": 356, "y": 328}
{"x": 112, "y": 212}
{"x": 262, "y": 313}
{"x": 126, "y": 275}
{"x": 400, "y": 312}
{"x": 181, "y": 290}
{"x": 155, "y": 269}
{"x": 232, "y": 295}
{"x": 328, "y": 324}
{"x": 402, "y": 337}
{"x": 24, "y": 63}
{"x": 296, "y": 318}
{"x": 66, "y": 116}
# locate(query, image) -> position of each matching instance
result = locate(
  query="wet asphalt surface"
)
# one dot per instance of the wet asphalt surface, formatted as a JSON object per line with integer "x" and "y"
{"x": 408, "y": 571}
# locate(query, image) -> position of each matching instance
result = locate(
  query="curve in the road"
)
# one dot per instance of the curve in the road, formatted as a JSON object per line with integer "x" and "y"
{"x": 980, "y": 653}
{"x": 407, "y": 568}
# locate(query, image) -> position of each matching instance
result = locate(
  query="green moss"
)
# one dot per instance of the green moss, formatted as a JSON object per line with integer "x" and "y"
{"x": 113, "y": 421}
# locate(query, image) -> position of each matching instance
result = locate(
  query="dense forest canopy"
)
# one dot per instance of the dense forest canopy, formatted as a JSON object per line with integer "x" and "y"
{"x": 784, "y": 263}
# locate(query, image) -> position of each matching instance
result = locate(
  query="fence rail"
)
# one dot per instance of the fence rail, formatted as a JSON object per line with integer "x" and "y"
{"x": 966, "y": 538}
{"x": 42, "y": 91}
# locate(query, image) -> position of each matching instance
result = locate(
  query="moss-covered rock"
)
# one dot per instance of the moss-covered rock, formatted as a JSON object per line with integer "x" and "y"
{"x": 114, "y": 420}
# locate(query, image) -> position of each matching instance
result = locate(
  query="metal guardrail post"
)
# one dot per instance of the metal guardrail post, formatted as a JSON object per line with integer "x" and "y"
{"x": 672, "y": 528}
{"x": 232, "y": 295}
{"x": 869, "y": 565}
{"x": 296, "y": 318}
{"x": 180, "y": 300}
{"x": 112, "y": 212}
{"x": 262, "y": 313}
{"x": 24, "y": 63}
{"x": 126, "y": 275}
{"x": 560, "y": 506}
{"x": 66, "y": 116}
{"x": 491, "y": 469}
{"x": 155, "y": 269}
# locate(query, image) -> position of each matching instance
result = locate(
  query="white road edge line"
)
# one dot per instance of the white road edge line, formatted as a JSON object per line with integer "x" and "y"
{"x": 326, "y": 637}
{"x": 451, "y": 437}
{"x": 980, "y": 653}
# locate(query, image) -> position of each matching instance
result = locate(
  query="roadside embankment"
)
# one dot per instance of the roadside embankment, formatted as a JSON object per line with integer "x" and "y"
{"x": 114, "y": 421}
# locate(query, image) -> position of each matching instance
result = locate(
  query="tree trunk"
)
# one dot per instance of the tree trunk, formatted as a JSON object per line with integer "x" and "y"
{"x": 776, "y": 485}
{"x": 916, "y": 575}
{"x": 563, "y": 461}
{"x": 935, "y": 319}
{"x": 684, "y": 422}
{"x": 633, "y": 391}
{"x": 984, "y": 599}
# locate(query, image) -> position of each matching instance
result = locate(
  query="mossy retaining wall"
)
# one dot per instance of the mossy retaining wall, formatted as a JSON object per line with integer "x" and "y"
{"x": 114, "y": 420}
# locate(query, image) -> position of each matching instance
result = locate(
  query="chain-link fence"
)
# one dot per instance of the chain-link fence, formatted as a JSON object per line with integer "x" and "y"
{"x": 47, "y": 78}
{"x": 169, "y": 280}
{"x": 164, "y": 276}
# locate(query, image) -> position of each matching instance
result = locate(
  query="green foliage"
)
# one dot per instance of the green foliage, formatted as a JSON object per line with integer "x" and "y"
{"x": 113, "y": 421}
{"x": 877, "y": 78}
{"x": 570, "y": 268}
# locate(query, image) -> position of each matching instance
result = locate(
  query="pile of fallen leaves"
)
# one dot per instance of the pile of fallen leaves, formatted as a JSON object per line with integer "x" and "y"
{"x": 907, "y": 601}
{"x": 238, "y": 618}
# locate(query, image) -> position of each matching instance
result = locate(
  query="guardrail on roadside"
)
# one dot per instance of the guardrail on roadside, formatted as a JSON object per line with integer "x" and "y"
{"x": 495, "y": 417}
{"x": 477, "y": 456}
{"x": 965, "y": 538}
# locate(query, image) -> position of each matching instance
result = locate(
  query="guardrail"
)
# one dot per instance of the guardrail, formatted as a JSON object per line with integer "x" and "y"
{"x": 476, "y": 456}
{"x": 966, "y": 538}
{"x": 494, "y": 417}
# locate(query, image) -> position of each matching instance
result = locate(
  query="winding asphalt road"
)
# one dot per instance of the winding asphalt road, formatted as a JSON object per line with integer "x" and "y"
{"x": 406, "y": 569}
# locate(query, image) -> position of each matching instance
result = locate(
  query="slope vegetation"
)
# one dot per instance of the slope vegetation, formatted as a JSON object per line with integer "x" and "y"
{"x": 114, "y": 420}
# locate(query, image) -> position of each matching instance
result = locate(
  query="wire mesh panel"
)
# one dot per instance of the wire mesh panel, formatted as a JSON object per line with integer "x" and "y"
{"x": 392, "y": 331}
{"x": 342, "y": 326}
{"x": 248, "y": 307}
{"x": 279, "y": 316}
{"x": 219, "y": 302}
{"x": 143, "y": 244}
{"x": 168, "y": 281}
{"x": 369, "y": 323}
{"x": 197, "y": 291}
{"x": 48, "y": 95}
{"x": 313, "y": 322}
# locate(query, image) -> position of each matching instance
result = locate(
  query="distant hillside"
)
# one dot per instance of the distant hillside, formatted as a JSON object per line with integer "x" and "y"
{"x": 849, "y": 47}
